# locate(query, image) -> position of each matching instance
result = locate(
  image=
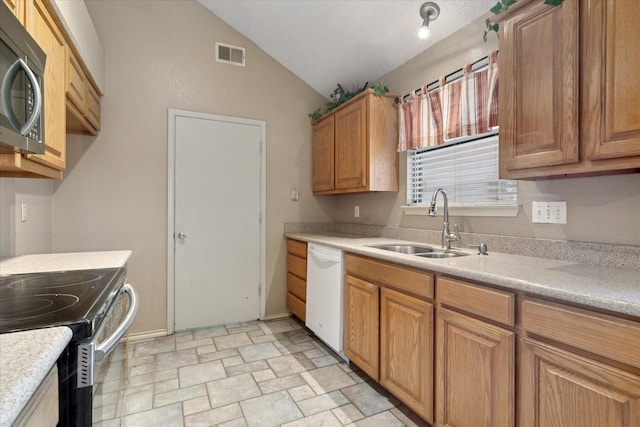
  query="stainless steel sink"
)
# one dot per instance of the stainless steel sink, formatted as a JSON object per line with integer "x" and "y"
{"x": 442, "y": 254}
{"x": 404, "y": 249}
{"x": 423, "y": 251}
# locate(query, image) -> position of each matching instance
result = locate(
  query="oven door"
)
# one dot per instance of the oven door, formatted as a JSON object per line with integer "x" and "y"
{"x": 89, "y": 353}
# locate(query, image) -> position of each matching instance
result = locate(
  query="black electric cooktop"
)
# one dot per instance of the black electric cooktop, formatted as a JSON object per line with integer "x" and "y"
{"x": 78, "y": 299}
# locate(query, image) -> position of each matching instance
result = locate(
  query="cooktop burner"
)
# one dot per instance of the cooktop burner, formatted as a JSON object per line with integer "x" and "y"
{"x": 55, "y": 280}
{"x": 77, "y": 299}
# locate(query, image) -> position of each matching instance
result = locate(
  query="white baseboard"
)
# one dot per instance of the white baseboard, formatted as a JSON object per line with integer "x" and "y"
{"x": 276, "y": 316}
{"x": 146, "y": 335}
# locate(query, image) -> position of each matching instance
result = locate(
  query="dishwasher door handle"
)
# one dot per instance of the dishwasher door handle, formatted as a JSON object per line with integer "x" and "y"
{"x": 323, "y": 258}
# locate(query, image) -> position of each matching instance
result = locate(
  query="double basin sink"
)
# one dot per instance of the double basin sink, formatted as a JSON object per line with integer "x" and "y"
{"x": 422, "y": 251}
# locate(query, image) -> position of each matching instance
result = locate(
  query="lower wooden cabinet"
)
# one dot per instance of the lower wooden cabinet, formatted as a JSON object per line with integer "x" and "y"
{"x": 406, "y": 350}
{"x": 559, "y": 388}
{"x": 297, "y": 278}
{"x": 578, "y": 368}
{"x": 475, "y": 372}
{"x": 361, "y": 324}
{"x": 388, "y": 330}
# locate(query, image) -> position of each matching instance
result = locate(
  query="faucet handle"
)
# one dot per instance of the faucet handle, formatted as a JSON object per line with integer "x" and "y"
{"x": 482, "y": 248}
{"x": 456, "y": 234}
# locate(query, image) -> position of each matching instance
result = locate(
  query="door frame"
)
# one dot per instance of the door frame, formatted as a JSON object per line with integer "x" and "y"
{"x": 171, "y": 169}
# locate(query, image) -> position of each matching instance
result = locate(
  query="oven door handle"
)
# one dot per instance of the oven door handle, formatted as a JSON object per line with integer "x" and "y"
{"x": 103, "y": 348}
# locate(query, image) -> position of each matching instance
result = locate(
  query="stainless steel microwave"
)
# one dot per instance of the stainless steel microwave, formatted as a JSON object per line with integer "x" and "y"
{"x": 22, "y": 64}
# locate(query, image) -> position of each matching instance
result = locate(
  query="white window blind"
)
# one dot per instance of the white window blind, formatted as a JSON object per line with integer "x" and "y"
{"x": 467, "y": 169}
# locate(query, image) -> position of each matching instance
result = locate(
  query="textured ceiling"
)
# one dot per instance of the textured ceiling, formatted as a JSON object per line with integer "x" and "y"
{"x": 325, "y": 42}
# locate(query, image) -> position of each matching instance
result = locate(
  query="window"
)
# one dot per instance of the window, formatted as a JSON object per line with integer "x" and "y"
{"x": 466, "y": 168}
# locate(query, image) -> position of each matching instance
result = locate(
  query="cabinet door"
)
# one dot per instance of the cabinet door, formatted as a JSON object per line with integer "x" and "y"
{"x": 539, "y": 58}
{"x": 17, "y": 7}
{"x": 475, "y": 372}
{"x": 361, "y": 317}
{"x": 351, "y": 147}
{"x": 611, "y": 79}
{"x": 322, "y": 140}
{"x": 406, "y": 350}
{"x": 42, "y": 28}
{"x": 561, "y": 389}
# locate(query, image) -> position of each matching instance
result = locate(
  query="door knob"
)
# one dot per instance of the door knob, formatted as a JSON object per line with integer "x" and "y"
{"x": 182, "y": 235}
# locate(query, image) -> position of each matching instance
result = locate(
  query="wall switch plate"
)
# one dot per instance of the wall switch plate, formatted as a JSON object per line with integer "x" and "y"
{"x": 549, "y": 212}
{"x": 23, "y": 212}
{"x": 295, "y": 194}
{"x": 356, "y": 212}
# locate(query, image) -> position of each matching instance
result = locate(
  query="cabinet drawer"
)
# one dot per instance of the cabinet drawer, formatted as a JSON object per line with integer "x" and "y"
{"x": 296, "y": 306}
{"x": 611, "y": 337}
{"x": 400, "y": 277}
{"x": 297, "y": 286}
{"x": 297, "y": 247}
{"x": 297, "y": 266}
{"x": 489, "y": 303}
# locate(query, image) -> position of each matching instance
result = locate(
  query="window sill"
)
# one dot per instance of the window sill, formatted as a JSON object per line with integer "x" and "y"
{"x": 466, "y": 209}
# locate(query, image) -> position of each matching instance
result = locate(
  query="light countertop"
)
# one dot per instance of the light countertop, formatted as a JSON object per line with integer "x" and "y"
{"x": 607, "y": 288}
{"x": 25, "y": 360}
{"x": 40, "y": 263}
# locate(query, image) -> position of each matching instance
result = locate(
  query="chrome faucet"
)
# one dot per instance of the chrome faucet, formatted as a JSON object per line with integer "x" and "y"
{"x": 447, "y": 236}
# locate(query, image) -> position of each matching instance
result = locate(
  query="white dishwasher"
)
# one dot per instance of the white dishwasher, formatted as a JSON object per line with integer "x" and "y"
{"x": 325, "y": 294}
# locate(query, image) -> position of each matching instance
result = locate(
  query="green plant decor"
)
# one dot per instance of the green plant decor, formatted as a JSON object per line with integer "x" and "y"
{"x": 340, "y": 96}
{"x": 500, "y": 7}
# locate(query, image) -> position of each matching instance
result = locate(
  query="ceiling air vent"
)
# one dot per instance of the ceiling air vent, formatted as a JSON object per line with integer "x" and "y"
{"x": 229, "y": 54}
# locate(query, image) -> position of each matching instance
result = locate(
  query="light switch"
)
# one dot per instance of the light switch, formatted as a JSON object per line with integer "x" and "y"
{"x": 356, "y": 212}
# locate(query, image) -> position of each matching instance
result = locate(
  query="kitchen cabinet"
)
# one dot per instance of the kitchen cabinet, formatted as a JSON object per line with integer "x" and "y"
{"x": 406, "y": 349}
{"x": 361, "y": 324}
{"x": 297, "y": 278}
{"x": 568, "y": 75}
{"x": 83, "y": 100}
{"x": 40, "y": 23}
{"x": 354, "y": 146}
{"x": 475, "y": 358}
{"x": 389, "y": 328}
{"x": 578, "y": 367}
{"x": 17, "y": 7}
{"x": 42, "y": 408}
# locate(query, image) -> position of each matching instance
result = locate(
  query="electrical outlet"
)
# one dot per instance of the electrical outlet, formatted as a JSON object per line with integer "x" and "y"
{"x": 23, "y": 212}
{"x": 549, "y": 212}
{"x": 356, "y": 212}
{"x": 295, "y": 194}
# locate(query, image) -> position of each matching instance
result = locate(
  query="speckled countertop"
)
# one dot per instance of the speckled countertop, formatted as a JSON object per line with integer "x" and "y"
{"x": 63, "y": 262}
{"x": 608, "y": 288}
{"x": 25, "y": 360}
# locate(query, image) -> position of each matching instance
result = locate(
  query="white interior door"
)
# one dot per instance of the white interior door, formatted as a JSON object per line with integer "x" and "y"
{"x": 217, "y": 219}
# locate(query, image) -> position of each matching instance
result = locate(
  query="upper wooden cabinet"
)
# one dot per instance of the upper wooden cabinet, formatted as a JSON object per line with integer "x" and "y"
{"x": 354, "y": 147}
{"x": 83, "y": 100}
{"x": 568, "y": 75}
{"x": 41, "y": 25}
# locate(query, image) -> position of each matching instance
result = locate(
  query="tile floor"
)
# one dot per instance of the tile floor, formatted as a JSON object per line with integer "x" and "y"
{"x": 263, "y": 373}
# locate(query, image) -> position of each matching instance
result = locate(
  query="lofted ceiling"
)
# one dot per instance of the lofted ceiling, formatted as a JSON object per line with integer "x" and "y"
{"x": 351, "y": 42}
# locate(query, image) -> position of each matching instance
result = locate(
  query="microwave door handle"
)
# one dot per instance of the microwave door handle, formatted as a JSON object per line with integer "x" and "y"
{"x": 9, "y": 77}
{"x": 103, "y": 348}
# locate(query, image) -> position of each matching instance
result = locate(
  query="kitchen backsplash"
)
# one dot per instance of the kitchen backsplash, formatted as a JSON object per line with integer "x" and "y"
{"x": 621, "y": 256}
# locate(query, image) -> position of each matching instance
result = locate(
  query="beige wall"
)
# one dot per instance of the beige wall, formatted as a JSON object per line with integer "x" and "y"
{"x": 160, "y": 55}
{"x": 599, "y": 209}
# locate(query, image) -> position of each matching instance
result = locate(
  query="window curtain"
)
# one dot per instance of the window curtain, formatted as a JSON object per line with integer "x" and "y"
{"x": 463, "y": 107}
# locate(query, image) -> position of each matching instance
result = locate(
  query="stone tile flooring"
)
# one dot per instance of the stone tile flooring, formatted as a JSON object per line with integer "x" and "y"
{"x": 262, "y": 373}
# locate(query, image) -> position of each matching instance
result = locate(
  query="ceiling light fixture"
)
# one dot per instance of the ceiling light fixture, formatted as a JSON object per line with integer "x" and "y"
{"x": 429, "y": 11}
